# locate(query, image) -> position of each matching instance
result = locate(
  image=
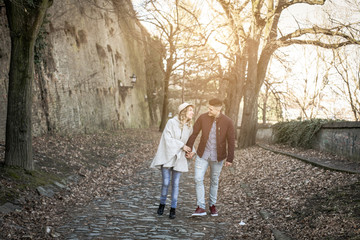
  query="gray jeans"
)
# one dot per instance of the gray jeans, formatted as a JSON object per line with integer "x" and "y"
{"x": 201, "y": 166}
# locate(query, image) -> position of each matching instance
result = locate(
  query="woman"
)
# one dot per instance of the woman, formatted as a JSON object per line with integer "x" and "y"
{"x": 170, "y": 155}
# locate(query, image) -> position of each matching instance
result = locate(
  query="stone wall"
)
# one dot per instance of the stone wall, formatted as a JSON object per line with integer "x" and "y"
{"x": 81, "y": 81}
{"x": 264, "y": 133}
{"x": 340, "y": 138}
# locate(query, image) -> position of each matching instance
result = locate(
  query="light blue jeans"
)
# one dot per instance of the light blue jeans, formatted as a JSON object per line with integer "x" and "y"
{"x": 201, "y": 166}
{"x": 166, "y": 174}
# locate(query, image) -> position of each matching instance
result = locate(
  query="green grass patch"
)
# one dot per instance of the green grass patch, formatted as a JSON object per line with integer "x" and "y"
{"x": 18, "y": 180}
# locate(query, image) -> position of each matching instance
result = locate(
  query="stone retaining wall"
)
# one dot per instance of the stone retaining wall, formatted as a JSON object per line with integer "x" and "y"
{"x": 341, "y": 138}
{"x": 82, "y": 83}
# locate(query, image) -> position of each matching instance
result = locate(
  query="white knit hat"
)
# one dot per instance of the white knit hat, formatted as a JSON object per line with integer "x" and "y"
{"x": 183, "y": 106}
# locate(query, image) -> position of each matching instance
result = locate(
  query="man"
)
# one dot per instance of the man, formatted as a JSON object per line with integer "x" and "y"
{"x": 217, "y": 136}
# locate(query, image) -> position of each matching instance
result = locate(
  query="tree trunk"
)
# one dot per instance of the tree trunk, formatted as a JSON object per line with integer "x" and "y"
{"x": 169, "y": 68}
{"x": 165, "y": 106}
{"x": 152, "y": 106}
{"x": 235, "y": 90}
{"x": 247, "y": 135}
{"x": 264, "y": 106}
{"x": 231, "y": 101}
{"x": 256, "y": 76}
{"x": 265, "y": 102}
{"x": 24, "y": 23}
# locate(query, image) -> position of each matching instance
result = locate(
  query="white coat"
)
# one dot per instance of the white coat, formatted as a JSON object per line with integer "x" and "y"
{"x": 170, "y": 152}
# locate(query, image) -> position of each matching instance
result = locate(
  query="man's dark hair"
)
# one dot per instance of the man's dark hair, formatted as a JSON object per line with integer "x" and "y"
{"x": 215, "y": 102}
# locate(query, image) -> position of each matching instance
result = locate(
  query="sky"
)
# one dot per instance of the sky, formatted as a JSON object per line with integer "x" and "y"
{"x": 300, "y": 59}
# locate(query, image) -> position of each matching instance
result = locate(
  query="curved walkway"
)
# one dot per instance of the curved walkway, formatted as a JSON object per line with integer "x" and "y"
{"x": 130, "y": 213}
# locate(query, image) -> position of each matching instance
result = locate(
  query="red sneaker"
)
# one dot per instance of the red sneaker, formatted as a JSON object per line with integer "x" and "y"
{"x": 213, "y": 211}
{"x": 199, "y": 212}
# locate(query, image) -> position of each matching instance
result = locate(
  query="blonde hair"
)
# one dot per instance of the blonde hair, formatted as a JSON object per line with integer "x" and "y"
{"x": 183, "y": 119}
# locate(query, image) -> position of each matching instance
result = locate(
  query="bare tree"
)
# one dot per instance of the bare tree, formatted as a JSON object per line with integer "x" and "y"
{"x": 176, "y": 26}
{"x": 255, "y": 26}
{"x": 307, "y": 91}
{"x": 270, "y": 102}
{"x": 203, "y": 77}
{"x": 25, "y": 18}
{"x": 348, "y": 71}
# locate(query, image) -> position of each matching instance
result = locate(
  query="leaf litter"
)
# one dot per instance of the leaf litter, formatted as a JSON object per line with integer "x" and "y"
{"x": 302, "y": 201}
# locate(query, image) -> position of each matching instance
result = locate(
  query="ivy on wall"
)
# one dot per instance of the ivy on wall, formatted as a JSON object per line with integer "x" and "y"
{"x": 298, "y": 133}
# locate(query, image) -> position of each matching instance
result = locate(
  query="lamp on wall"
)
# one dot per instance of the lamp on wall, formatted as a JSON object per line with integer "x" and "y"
{"x": 133, "y": 81}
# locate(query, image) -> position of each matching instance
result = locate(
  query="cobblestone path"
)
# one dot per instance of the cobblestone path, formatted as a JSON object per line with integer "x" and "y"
{"x": 131, "y": 213}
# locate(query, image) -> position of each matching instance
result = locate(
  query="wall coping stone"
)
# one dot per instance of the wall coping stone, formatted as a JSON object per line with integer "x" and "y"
{"x": 342, "y": 125}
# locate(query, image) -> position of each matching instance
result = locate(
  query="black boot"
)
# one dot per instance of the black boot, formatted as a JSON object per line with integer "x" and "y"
{"x": 172, "y": 213}
{"x": 160, "y": 211}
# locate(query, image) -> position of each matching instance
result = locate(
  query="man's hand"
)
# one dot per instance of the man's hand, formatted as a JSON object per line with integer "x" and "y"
{"x": 186, "y": 148}
{"x": 228, "y": 164}
{"x": 190, "y": 155}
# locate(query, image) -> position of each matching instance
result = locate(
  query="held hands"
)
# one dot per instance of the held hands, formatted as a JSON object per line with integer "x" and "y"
{"x": 187, "y": 149}
{"x": 190, "y": 155}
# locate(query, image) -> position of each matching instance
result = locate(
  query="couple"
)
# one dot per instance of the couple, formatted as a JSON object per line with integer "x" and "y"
{"x": 176, "y": 146}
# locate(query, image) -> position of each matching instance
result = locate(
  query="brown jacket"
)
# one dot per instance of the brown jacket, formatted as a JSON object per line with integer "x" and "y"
{"x": 224, "y": 133}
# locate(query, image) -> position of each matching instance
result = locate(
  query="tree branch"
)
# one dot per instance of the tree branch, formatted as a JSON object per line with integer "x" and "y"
{"x": 229, "y": 11}
{"x": 317, "y": 30}
{"x": 293, "y": 2}
{"x": 317, "y": 43}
